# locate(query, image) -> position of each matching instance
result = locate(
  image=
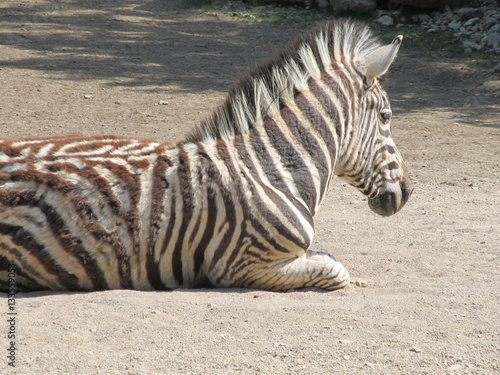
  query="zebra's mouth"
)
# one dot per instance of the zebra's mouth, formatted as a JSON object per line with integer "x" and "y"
{"x": 391, "y": 201}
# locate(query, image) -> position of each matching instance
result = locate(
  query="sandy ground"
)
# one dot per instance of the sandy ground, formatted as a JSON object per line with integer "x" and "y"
{"x": 431, "y": 304}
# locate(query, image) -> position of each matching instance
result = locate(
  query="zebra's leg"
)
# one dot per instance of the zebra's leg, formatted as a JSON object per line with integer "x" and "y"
{"x": 315, "y": 269}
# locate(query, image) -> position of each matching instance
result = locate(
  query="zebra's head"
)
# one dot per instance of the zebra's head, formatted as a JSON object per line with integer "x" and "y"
{"x": 370, "y": 160}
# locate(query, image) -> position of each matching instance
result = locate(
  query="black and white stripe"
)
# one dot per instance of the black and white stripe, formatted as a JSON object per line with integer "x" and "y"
{"x": 233, "y": 204}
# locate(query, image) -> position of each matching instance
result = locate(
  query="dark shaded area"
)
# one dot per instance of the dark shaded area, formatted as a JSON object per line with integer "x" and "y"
{"x": 436, "y": 82}
{"x": 148, "y": 46}
{"x": 131, "y": 45}
{"x": 432, "y": 81}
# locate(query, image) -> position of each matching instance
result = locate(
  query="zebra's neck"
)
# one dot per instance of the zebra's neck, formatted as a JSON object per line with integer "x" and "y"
{"x": 299, "y": 105}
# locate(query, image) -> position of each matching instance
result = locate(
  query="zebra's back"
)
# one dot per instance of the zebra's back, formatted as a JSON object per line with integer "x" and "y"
{"x": 80, "y": 213}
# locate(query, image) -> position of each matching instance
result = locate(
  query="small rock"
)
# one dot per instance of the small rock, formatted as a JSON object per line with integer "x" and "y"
{"x": 447, "y": 17}
{"x": 468, "y": 13}
{"x": 456, "y": 366}
{"x": 212, "y": 306}
{"x": 162, "y": 102}
{"x": 495, "y": 29}
{"x": 380, "y": 12}
{"x": 424, "y": 18}
{"x": 397, "y": 14}
{"x": 87, "y": 96}
{"x": 492, "y": 40}
{"x": 346, "y": 357}
{"x": 322, "y": 4}
{"x": 471, "y": 22}
{"x": 496, "y": 69}
{"x": 93, "y": 330}
{"x": 415, "y": 350}
{"x": 472, "y": 45}
{"x": 361, "y": 283}
{"x": 385, "y": 21}
{"x": 454, "y": 25}
{"x": 345, "y": 342}
{"x": 487, "y": 22}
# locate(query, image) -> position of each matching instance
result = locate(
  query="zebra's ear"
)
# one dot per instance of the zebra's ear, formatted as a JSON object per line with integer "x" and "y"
{"x": 378, "y": 62}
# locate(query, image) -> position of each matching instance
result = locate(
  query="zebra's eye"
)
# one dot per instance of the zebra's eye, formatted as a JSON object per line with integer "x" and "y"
{"x": 386, "y": 115}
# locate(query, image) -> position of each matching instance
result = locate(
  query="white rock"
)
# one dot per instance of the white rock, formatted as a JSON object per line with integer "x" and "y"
{"x": 487, "y": 22}
{"x": 361, "y": 283}
{"x": 447, "y": 16}
{"x": 468, "y": 13}
{"x": 423, "y": 18}
{"x": 492, "y": 40}
{"x": 471, "y": 22}
{"x": 472, "y": 45}
{"x": 385, "y": 21}
{"x": 495, "y": 29}
{"x": 322, "y": 4}
{"x": 454, "y": 25}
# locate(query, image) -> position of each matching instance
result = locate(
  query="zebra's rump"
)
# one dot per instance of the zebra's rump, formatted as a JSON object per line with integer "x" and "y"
{"x": 69, "y": 209}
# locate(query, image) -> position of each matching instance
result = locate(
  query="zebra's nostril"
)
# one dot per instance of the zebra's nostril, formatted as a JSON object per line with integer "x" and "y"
{"x": 406, "y": 188}
{"x": 385, "y": 204}
{"x": 390, "y": 202}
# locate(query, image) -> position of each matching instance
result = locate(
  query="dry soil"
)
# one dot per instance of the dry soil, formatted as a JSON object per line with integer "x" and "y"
{"x": 154, "y": 69}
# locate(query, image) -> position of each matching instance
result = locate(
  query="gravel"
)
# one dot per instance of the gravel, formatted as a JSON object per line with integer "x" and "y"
{"x": 475, "y": 29}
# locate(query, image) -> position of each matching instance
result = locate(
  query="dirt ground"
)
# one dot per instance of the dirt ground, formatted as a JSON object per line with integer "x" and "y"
{"x": 153, "y": 69}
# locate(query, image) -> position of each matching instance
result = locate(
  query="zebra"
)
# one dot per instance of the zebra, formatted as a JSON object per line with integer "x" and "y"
{"x": 232, "y": 204}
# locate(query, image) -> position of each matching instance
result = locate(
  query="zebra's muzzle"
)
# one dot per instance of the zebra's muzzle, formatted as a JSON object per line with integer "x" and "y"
{"x": 392, "y": 200}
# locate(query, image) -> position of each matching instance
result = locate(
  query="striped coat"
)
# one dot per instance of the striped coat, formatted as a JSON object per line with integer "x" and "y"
{"x": 232, "y": 205}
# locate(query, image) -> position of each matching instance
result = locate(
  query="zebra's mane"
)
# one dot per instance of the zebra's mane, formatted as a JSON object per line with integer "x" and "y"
{"x": 259, "y": 94}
